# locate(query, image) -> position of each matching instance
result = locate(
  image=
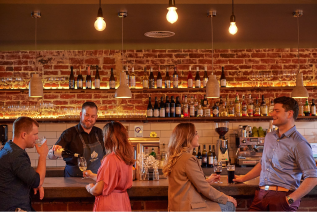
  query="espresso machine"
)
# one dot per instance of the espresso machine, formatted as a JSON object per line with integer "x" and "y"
{"x": 222, "y": 151}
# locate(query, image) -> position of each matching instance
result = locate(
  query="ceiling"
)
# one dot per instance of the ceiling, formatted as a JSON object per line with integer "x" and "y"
{"x": 68, "y": 24}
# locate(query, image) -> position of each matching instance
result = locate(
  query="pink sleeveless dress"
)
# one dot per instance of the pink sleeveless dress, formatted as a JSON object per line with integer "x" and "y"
{"x": 117, "y": 177}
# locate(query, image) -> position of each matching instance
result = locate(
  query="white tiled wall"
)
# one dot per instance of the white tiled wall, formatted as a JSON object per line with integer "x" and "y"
{"x": 206, "y": 131}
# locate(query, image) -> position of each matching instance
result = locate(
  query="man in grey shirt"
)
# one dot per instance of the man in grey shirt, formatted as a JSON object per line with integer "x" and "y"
{"x": 287, "y": 157}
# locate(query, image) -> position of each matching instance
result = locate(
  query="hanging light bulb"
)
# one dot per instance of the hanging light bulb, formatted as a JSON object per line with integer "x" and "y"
{"x": 100, "y": 23}
{"x": 233, "y": 29}
{"x": 171, "y": 15}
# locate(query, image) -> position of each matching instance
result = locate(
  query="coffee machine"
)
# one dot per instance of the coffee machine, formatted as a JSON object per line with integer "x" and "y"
{"x": 222, "y": 151}
{"x": 3, "y": 134}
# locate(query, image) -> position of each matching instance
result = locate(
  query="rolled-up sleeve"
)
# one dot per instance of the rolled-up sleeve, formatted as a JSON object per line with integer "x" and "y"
{"x": 305, "y": 160}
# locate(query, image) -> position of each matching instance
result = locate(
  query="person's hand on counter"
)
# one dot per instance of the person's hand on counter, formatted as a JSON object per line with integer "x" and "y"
{"x": 90, "y": 174}
{"x": 238, "y": 179}
{"x": 232, "y": 200}
{"x": 88, "y": 188}
{"x": 213, "y": 178}
{"x": 41, "y": 192}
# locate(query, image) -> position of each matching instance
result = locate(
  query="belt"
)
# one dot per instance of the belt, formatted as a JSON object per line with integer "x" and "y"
{"x": 274, "y": 188}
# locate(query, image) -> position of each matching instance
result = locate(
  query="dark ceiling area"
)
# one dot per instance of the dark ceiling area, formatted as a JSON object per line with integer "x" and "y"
{"x": 70, "y": 25}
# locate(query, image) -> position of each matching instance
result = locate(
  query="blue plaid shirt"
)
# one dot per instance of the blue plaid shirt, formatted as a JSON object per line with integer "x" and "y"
{"x": 286, "y": 159}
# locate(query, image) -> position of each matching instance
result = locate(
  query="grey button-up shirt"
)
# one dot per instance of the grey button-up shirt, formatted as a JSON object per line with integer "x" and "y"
{"x": 286, "y": 159}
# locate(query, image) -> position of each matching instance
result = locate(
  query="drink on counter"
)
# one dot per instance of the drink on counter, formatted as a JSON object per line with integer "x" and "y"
{"x": 231, "y": 170}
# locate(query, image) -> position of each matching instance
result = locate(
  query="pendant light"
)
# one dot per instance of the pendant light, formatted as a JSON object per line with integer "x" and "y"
{"x": 100, "y": 23}
{"x": 171, "y": 15}
{"x": 212, "y": 87}
{"x": 123, "y": 90}
{"x": 299, "y": 91}
{"x": 233, "y": 29}
{"x": 36, "y": 85}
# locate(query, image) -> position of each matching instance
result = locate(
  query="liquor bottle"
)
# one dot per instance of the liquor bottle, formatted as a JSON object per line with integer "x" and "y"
{"x": 145, "y": 80}
{"x": 194, "y": 152}
{"x": 127, "y": 75}
{"x": 223, "y": 81}
{"x": 79, "y": 80}
{"x": 151, "y": 80}
{"x": 153, "y": 153}
{"x": 156, "y": 109}
{"x": 196, "y": 106}
{"x": 167, "y": 79}
{"x": 210, "y": 158}
{"x": 231, "y": 110}
{"x": 223, "y": 109}
{"x": 167, "y": 108}
{"x": 97, "y": 78}
{"x": 215, "y": 110}
{"x": 237, "y": 107}
{"x": 65, "y": 153}
{"x": 313, "y": 108}
{"x": 200, "y": 111}
{"x": 199, "y": 156}
{"x": 197, "y": 78}
{"x": 162, "y": 108}
{"x": 178, "y": 110}
{"x": 112, "y": 80}
{"x": 214, "y": 154}
{"x": 307, "y": 108}
{"x": 192, "y": 107}
{"x": 149, "y": 109}
{"x": 159, "y": 79}
{"x": 263, "y": 107}
{"x": 271, "y": 108}
{"x": 132, "y": 79}
{"x": 300, "y": 109}
{"x": 204, "y": 157}
{"x": 71, "y": 79}
{"x": 250, "y": 106}
{"x": 173, "y": 107}
{"x": 257, "y": 108}
{"x": 190, "y": 78}
{"x": 185, "y": 107}
{"x": 88, "y": 79}
{"x": 175, "y": 79}
{"x": 244, "y": 107}
{"x": 205, "y": 78}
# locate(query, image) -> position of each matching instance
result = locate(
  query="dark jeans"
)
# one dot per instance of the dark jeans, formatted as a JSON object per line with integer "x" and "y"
{"x": 272, "y": 201}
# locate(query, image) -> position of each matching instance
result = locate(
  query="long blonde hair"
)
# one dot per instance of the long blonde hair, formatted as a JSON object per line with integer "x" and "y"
{"x": 116, "y": 140}
{"x": 179, "y": 143}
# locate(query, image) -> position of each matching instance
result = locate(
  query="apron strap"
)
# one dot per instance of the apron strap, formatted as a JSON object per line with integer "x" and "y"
{"x": 80, "y": 136}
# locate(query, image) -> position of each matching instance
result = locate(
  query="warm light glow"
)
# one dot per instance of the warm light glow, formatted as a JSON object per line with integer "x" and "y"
{"x": 172, "y": 15}
{"x": 100, "y": 24}
{"x": 233, "y": 29}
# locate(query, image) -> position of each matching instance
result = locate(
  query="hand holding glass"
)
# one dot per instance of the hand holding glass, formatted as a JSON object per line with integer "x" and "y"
{"x": 218, "y": 170}
{"x": 40, "y": 141}
{"x": 82, "y": 164}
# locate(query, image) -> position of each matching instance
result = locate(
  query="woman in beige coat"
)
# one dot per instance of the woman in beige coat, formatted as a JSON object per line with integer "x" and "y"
{"x": 188, "y": 189}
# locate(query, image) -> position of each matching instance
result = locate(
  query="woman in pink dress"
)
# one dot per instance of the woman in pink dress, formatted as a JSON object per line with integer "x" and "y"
{"x": 114, "y": 176}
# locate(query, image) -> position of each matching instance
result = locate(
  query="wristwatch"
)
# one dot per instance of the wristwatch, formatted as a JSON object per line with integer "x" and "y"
{"x": 289, "y": 200}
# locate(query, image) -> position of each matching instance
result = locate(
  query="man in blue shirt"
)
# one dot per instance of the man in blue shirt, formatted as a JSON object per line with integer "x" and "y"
{"x": 17, "y": 177}
{"x": 287, "y": 157}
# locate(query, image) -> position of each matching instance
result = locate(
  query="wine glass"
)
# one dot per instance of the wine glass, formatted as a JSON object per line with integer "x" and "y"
{"x": 82, "y": 164}
{"x": 218, "y": 169}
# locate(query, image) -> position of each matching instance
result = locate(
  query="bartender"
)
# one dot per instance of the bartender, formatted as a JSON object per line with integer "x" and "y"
{"x": 84, "y": 139}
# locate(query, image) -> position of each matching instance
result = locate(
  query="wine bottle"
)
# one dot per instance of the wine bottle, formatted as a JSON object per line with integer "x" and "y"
{"x": 151, "y": 80}
{"x": 200, "y": 111}
{"x": 250, "y": 106}
{"x": 215, "y": 110}
{"x": 162, "y": 108}
{"x": 210, "y": 158}
{"x": 175, "y": 79}
{"x": 159, "y": 80}
{"x": 132, "y": 79}
{"x": 97, "y": 78}
{"x": 271, "y": 108}
{"x": 307, "y": 108}
{"x": 79, "y": 80}
{"x": 112, "y": 80}
{"x": 71, "y": 79}
{"x": 156, "y": 109}
{"x": 145, "y": 80}
{"x": 204, "y": 157}
{"x": 167, "y": 108}
{"x": 192, "y": 110}
{"x": 127, "y": 77}
{"x": 257, "y": 109}
{"x": 185, "y": 107}
{"x": 205, "y": 79}
{"x": 173, "y": 107}
{"x": 313, "y": 108}
{"x": 200, "y": 157}
{"x": 149, "y": 109}
{"x": 263, "y": 107}
{"x": 178, "y": 108}
{"x": 153, "y": 153}
{"x": 197, "y": 79}
{"x": 190, "y": 78}
{"x": 223, "y": 81}
{"x": 237, "y": 106}
{"x": 167, "y": 79}
{"x": 88, "y": 79}
{"x": 244, "y": 107}
{"x": 65, "y": 153}
{"x": 194, "y": 152}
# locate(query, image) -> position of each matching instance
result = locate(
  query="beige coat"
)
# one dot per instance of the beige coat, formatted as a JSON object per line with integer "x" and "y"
{"x": 189, "y": 191}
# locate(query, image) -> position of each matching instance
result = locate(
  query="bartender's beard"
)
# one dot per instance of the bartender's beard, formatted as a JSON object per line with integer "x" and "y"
{"x": 87, "y": 124}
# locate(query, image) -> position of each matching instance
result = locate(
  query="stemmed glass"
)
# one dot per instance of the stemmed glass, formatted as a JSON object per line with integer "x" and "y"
{"x": 218, "y": 169}
{"x": 82, "y": 164}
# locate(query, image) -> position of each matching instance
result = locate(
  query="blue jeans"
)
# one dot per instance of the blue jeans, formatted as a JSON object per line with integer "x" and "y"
{"x": 228, "y": 207}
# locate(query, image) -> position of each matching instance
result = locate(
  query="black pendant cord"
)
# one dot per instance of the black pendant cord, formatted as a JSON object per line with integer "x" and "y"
{"x": 122, "y": 39}
{"x": 232, "y": 8}
{"x": 99, "y": 3}
{"x": 35, "y": 44}
{"x": 298, "y": 43}
{"x": 212, "y": 47}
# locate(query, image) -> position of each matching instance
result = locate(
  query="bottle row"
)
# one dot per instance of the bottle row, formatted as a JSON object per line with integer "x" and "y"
{"x": 148, "y": 80}
{"x": 206, "y": 159}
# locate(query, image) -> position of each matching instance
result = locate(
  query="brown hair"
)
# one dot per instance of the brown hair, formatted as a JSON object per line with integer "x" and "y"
{"x": 180, "y": 142}
{"x": 23, "y": 124}
{"x": 288, "y": 104}
{"x": 116, "y": 140}
{"x": 89, "y": 104}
